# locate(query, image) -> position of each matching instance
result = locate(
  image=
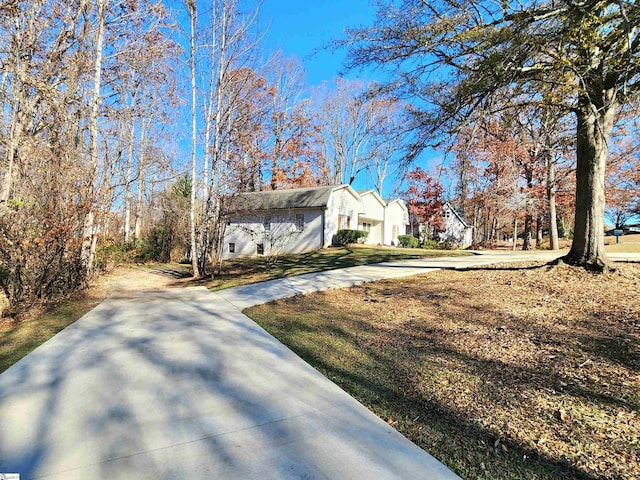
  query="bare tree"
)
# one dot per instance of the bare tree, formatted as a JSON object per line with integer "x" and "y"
{"x": 61, "y": 136}
{"x": 191, "y": 5}
{"x": 577, "y": 56}
{"x": 357, "y": 130}
{"x": 233, "y": 42}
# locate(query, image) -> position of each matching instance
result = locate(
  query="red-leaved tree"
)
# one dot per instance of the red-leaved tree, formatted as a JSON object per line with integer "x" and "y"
{"x": 424, "y": 199}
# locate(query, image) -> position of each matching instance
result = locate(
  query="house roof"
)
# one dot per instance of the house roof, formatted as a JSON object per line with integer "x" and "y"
{"x": 312, "y": 197}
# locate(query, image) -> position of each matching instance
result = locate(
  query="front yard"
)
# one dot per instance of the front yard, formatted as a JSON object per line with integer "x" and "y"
{"x": 18, "y": 338}
{"x": 501, "y": 373}
{"x": 243, "y": 271}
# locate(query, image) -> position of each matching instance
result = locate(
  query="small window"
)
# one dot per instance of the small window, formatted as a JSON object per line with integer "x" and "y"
{"x": 260, "y": 249}
{"x": 299, "y": 222}
{"x": 366, "y": 227}
{"x": 232, "y": 247}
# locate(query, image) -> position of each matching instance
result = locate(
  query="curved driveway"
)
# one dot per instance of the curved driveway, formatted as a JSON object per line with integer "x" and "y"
{"x": 179, "y": 384}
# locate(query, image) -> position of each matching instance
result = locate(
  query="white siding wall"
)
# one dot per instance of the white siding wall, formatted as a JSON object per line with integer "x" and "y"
{"x": 375, "y": 233}
{"x": 372, "y": 208}
{"x": 373, "y": 213}
{"x": 341, "y": 202}
{"x": 248, "y": 231}
{"x": 395, "y": 216}
{"x": 455, "y": 232}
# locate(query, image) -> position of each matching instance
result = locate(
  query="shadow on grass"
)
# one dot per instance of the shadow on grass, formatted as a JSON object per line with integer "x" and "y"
{"x": 383, "y": 367}
{"x": 174, "y": 271}
{"x": 387, "y": 388}
{"x": 242, "y": 271}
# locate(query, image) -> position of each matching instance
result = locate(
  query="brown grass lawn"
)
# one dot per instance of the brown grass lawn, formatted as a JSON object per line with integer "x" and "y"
{"x": 512, "y": 372}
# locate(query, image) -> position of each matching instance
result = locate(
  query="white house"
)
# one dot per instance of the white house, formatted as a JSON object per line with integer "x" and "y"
{"x": 396, "y": 219}
{"x": 456, "y": 232}
{"x": 306, "y": 219}
{"x": 372, "y": 218}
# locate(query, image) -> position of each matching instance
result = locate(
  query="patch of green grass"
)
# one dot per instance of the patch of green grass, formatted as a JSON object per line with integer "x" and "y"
{"x": 243, "y": 271}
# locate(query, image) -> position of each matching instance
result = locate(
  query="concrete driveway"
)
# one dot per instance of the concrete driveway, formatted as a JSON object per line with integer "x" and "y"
{"x": 180, "y": 384}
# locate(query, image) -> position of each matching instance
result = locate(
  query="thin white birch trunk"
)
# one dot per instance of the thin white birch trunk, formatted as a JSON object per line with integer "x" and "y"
{"x": 88, "y": 246}
{"x": 127, "y": 185}
{"x": 194, "y": 185}
{"x": 141, "y": 178}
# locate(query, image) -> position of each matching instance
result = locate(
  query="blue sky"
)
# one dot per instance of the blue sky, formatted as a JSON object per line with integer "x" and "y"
{"x": 299, "y": 28}
{"x": 302, "y": 29}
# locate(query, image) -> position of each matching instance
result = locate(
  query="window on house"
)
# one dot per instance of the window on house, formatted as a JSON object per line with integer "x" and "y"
{"x": 344, "y": 222}
{"x": 267, "y": 224}
{"x": 260, "y": 249}
{"x": 299, "y": 222}
{"x": 447, "y": 214}
{"x": 232, "y": 247}
{"x": 366, "y": 226}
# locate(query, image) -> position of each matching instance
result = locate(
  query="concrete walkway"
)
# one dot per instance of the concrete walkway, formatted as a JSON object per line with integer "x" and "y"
{"x": 263, "y": 292}
{"x": 179, "y": 384}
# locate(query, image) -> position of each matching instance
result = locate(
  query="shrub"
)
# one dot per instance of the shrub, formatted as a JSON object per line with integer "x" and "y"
{"x": 430, "y": 244}
{"x": 408, "y": 241}
{"x": 111, "y": 253}
{"x": 40, "y": 251}
{"x": 343, "y": 237}
{"x": 447, "y": 246}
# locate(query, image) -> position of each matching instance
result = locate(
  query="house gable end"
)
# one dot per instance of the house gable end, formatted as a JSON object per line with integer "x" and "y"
{"x": 457, "y": 215}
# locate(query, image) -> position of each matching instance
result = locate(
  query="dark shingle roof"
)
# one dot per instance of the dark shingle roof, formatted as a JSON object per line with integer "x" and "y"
{"x": 313, "y": 197}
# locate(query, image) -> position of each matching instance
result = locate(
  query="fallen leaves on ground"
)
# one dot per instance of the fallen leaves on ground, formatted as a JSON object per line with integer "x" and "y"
{"x": 509, "y": 371}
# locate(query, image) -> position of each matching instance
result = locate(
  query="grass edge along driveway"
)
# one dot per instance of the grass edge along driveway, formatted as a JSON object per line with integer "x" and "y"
{"x": 514, "y": 371}
{"x": 244, "y": 271}
{"x": 19, "y": 339}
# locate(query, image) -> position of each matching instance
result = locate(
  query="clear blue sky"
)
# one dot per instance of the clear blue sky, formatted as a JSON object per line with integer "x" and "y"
{"x": 300, "y": 27}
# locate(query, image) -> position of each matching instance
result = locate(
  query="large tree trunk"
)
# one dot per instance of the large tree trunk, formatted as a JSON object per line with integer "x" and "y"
{"x": 593, "y": 132}
{"x": 527, "y": 244}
